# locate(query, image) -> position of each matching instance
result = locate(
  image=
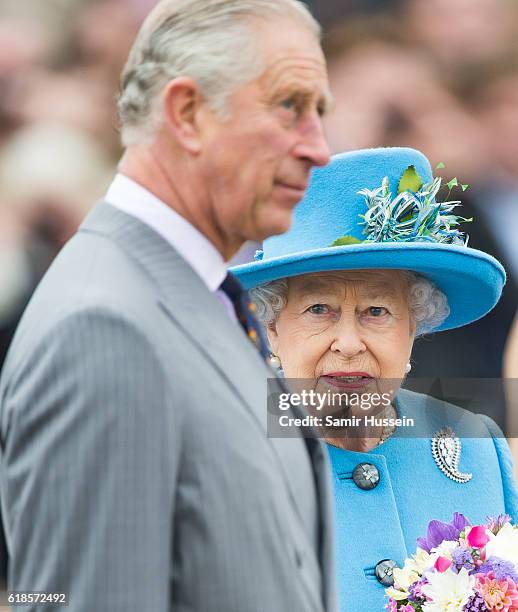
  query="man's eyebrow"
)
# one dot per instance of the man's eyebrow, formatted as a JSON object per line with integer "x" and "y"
{"x": 327, "y": 102}
{"x": 305, "y": 92}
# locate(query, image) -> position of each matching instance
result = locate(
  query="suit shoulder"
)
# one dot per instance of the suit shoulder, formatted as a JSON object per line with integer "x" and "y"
{"x": 80, "y": 331}
{"x": 90, "y": 278}
{"x": 93, "y": 268}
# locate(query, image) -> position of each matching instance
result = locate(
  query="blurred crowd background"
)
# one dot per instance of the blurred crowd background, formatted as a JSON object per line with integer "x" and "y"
{"x": 439, "y": 75}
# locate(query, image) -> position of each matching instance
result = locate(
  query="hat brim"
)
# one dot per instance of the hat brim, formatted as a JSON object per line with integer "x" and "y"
{"x": 471, "y": 280}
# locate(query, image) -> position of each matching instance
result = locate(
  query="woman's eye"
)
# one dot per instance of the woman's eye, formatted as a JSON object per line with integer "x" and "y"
{"x": 318, "y": 309}
{"x": 377, "y": 311}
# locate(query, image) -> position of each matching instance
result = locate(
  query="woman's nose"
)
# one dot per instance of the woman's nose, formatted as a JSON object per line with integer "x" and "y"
{"x": 348, "y": 339}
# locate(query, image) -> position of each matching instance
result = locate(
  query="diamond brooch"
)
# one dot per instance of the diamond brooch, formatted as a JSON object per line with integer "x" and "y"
{"x": 446, "y": 448}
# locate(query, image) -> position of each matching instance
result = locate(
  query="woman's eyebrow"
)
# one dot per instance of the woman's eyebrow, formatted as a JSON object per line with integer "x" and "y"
{"x": 319, "y": 286}
{"x": 377, "y": 293}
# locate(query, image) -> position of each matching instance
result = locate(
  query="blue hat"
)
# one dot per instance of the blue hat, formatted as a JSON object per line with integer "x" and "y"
{"x": 380, "y": 209}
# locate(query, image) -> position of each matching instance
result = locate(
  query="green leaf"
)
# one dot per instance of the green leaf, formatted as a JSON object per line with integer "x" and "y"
{"x": 453, "y": 183}
{"x": 464, "y": 187}
{"x": 439, "y": 166}
{"x": 410, "y": 181}
{"x": 346, "y": 240}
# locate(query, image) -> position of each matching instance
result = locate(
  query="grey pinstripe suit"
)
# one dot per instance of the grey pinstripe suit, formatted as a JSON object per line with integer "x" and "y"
{"x": 135, "y": 470}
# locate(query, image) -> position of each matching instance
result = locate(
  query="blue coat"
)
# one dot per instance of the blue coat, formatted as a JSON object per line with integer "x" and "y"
{"x": 384, "y": 522}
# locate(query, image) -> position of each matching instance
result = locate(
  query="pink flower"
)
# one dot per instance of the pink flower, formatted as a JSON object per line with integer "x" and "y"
{"x": 499, "y": 595}
{"x": 392, "y": 605}
{"x": 477, "y": 537}
{"x": 442, "y": 564}
{"x": 407, "y": 608}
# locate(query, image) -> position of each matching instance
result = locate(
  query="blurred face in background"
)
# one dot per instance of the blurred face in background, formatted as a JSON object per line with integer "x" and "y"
{"x": 99, "y": 41}
{"x": 23, "y": 44}
{"x": 497, "y": 113}
{"x": 463, "y": 31}
{"x": 388, "y": 96}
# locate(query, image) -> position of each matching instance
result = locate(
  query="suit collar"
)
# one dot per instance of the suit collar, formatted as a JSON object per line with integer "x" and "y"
{"x": 134, "y": 200}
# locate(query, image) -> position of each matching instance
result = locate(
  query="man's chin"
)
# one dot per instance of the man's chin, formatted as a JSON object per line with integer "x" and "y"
{"x": 276, "y": 225}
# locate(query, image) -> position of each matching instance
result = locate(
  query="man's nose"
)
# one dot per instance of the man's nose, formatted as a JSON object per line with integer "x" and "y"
{"x": 313, "y": 145}
{"x": 348, "y": 339}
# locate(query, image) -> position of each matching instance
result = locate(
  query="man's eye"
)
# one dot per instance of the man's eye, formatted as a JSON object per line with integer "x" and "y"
{"x": 319, "y": 309}
{"x": 289, "y": 104}
{"x": 377, "y": 311}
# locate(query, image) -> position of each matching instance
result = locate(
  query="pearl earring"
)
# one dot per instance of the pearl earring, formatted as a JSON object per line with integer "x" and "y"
{"x": 274, "y": 361}
{"x": 408, "y": 367}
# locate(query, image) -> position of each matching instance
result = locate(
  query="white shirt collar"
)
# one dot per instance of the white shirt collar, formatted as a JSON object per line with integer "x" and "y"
{"x": 133, "y": 199}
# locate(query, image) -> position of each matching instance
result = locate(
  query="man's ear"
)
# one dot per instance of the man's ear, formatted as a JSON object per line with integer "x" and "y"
{"x": 273, "y": 337}
{"x": 182, "y": 100}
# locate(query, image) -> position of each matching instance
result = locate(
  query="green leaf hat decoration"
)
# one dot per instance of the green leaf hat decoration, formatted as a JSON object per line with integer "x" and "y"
{"x": 413, "y": 215}
{"x": 346, "y": 240}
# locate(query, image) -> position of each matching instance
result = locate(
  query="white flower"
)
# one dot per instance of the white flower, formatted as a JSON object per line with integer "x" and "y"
{"x": 422, "y": 561}
{"x": 411, "y": 572}
{"x": 445, "y": 549}
{"x": 395, "y": 594}
{"x": 448, "y": 591}
{"x": 406, "y": 576}
{"x": 504, "y": 544}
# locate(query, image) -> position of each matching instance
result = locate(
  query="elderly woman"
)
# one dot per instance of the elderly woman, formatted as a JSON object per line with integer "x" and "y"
{"x": 373, "y": 260}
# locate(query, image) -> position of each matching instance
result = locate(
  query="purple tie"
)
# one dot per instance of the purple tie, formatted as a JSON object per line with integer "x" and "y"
{"x": 244, "y": 310}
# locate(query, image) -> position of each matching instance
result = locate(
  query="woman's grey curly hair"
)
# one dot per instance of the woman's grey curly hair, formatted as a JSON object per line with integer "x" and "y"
{"x": 427, "y": 304}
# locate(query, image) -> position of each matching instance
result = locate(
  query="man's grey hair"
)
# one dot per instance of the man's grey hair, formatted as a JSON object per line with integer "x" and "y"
{"x": 210, "y": 41}
{"x": 428, "y": 306}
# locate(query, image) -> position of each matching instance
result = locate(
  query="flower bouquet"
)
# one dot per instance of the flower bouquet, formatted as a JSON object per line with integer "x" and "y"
{"x": 460, "y": 567}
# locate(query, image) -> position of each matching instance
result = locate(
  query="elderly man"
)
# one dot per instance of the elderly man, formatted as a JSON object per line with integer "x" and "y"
{"x": 136, "y": 473}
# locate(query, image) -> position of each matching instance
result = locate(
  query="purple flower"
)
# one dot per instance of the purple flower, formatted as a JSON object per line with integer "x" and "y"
{"x": 502, "y": 569}
{"x": 438, "y": 532}
{"x": 462, "y": 557}
{"x": 495, "y": 524}
{"x": 415, "y": 593}
{"x": 475, "y": 604}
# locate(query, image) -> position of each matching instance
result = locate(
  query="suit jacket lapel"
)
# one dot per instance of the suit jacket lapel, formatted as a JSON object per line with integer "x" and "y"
{"x": 190, "y": 304}
{"x": 185, "y": 298}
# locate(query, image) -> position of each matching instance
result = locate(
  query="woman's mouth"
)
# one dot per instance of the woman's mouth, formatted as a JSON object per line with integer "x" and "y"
{"x": 348, "y": 380}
